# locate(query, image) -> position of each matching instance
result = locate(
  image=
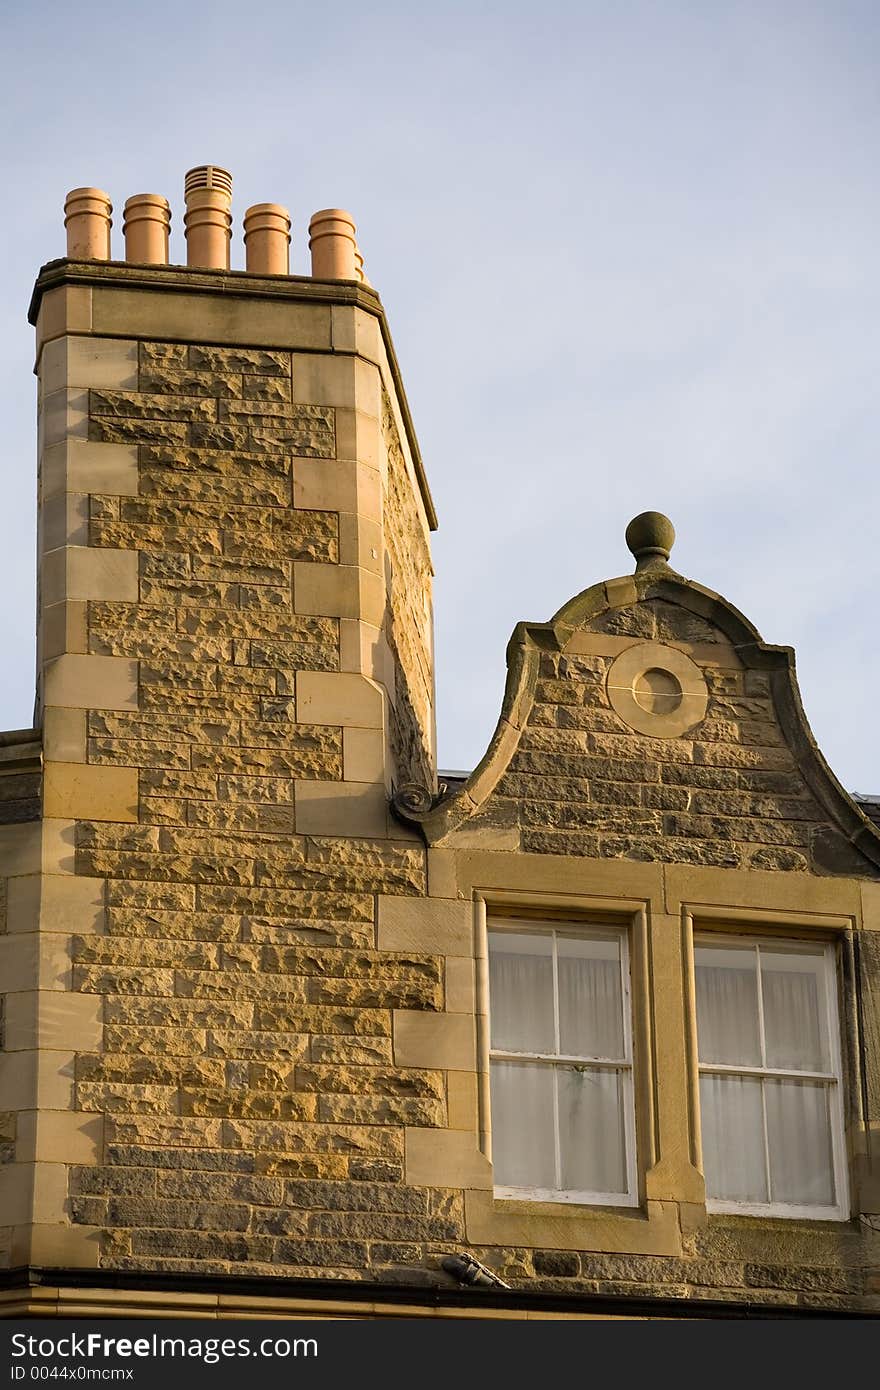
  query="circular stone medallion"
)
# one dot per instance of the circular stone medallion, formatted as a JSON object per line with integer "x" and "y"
{"x": 657, "y": 690}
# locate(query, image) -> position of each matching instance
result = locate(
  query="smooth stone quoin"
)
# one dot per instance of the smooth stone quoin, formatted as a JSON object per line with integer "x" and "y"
{"x": 650, "y": 537}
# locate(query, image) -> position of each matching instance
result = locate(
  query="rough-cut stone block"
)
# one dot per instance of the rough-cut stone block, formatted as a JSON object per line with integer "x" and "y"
{"x": 400, "y": 1082}
{"x": 142, "y": 406}
{"x": 110, "y": 429}
{"x": 345, "y": 1051}
{"x": 183, "y": 381}
{"x": 381, "y": 1110}
{"x": 240, "y": 360}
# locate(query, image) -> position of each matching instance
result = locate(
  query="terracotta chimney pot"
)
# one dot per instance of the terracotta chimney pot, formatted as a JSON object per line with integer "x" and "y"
{"x": 146, "y": 219}
{"x": 208, "y": 219}
{"x": 87, "y": 219}
{"x": 267, "y": 239}
{"x": 359, "y": 272}
{"x": 332, "y": 244}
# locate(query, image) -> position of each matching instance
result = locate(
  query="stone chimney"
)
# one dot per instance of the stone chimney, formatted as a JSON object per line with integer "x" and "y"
{"x": 235, "y": 664}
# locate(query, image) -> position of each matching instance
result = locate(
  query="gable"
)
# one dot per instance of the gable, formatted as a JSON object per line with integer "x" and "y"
{"x": 648, "y": 722}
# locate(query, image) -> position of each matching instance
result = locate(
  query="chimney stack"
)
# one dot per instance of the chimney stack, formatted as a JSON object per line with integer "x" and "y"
{"x": 208, "y": 219}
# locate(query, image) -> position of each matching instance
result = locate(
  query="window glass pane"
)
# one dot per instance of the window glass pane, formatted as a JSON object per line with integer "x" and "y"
{"x": 799, "y": 1132}
{"x": 727, "y": 1004}
{"x": 521, "y": 991}
{"x": 591, "y": 1134}
{"x": 733, "y": 1138}
{"x": 794, "y": 1010}
{"x": 590, "y": 1006}
{"x": 523, "y": 1129}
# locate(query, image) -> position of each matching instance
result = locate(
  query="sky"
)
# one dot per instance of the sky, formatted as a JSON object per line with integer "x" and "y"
{"x": 628, "y": 253}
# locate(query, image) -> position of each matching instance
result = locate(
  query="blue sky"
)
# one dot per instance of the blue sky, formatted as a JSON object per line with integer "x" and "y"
{"x": 628, "y": 253}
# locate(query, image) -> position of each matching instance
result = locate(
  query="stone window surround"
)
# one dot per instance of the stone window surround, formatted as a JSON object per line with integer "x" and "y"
{"x": 671, "y": 1189}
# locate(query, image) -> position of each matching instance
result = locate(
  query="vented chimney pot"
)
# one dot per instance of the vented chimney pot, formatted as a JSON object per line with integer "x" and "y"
{"x": 208, "y": 219}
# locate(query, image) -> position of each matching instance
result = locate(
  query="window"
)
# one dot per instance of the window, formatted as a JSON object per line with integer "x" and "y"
{"x": 770, "y": 1089}
{"x": 563, "y": 1125}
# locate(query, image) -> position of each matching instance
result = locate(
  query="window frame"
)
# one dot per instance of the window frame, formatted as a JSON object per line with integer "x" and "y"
{"x": 834, "y": 1081}
{"x": 573, "y": 925}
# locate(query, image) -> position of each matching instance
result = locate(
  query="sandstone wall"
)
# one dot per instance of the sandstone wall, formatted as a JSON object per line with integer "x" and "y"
{"x": 265, "y": 1048}
{"x": 252, "y": 1112}
{"x": 410, "y": 623}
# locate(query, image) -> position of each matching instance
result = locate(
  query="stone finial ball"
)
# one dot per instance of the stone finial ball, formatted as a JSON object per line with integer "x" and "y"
{"x": 650, "y": 533}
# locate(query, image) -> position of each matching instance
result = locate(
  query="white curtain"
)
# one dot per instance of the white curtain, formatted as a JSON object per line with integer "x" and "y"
{"x": 727, "y": 1006}
{"x": 523, "y": 1131}
{"x": 592, "y": 1146}
{"x": 521, "y": 995}
{"x": 799, "y": 1131}
{"x": 733, "y": 1138}
{"x": 521, "y": 992}
{"x": 591, "y": 1136}
{"x": 590, "y": 1006}
{"x": 792, "y": 1016}
{"x": 587, "y": 1152}
{"x": 798, "y": 1122}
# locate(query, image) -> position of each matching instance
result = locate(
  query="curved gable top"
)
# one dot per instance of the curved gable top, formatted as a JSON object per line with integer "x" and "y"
{"x": 648, "y": 720}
